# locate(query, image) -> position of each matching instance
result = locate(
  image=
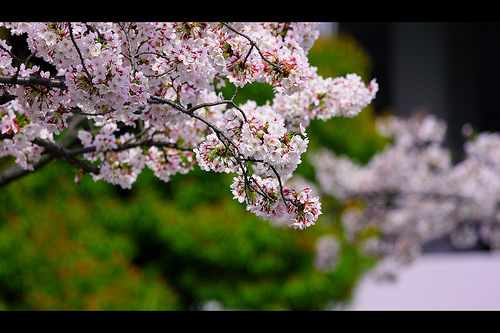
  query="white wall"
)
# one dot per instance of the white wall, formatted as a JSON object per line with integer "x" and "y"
{"x": 451, "y": 281}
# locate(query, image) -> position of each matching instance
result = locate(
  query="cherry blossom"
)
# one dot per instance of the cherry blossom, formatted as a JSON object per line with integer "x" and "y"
{"x": 123, "y": 96}
{"x": 411, "y": 192}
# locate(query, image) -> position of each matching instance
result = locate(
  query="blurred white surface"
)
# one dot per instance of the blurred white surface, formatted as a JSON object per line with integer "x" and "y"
{"x": 451, "y": 281}
{"x": 328, "y": 29}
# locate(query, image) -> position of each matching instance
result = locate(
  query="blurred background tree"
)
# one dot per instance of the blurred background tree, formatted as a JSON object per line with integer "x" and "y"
{"x": 178, "y": 245}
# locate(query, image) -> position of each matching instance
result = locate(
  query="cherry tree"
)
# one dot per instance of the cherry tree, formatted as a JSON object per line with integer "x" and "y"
{"x": 125, "y": 96}
{"x": 411, "y": 192}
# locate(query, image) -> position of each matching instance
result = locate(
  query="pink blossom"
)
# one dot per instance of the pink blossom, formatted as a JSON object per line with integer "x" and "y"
{"x": 149, "y": 93}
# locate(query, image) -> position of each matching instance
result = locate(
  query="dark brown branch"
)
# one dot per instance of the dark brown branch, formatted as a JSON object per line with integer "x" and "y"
{"x": 60, "y": 152}
{"x": 78, "y": 49}
{"x": 52, "y": 82}
{"x": 15, "y": 172}
{"x": 55, "y": 150}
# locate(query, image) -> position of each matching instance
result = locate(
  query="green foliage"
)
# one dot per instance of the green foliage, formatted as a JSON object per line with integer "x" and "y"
{"x": 88, "y": 247}
{"x": 55, "y": 252}
{"x": 169, "y": 246}
{"x": 339, "y": 56}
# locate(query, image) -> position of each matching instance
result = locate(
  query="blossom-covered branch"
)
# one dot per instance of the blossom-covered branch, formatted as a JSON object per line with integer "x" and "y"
{"x": 148, "y": 92}
{"x": 412, "y": 193}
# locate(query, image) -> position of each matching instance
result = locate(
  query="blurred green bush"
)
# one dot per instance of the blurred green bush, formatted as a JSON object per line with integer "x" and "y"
{"x": 173, "y": 246}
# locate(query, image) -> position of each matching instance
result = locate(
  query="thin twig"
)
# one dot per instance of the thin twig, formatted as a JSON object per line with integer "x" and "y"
{"x": 77, "y": 49}
{"x": 15, "y": 76}
{"x": 131, "y": 57}
{"x": 278, "y": 68}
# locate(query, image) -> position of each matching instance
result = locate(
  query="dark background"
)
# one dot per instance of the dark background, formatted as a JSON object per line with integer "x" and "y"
{"x": 450, "y": 69}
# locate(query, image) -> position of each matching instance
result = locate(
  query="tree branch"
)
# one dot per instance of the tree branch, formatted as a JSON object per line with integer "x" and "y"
{"x": 78, "y": 50}
{"x": 15, "y": 172}
{"x": 52, "y": 82}
{"x": 277, "y": 67}
{"x": 57, "y": 151}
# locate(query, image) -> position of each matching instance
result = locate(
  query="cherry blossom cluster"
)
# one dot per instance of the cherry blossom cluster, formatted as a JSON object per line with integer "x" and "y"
{"x": 326, "y": 98}
{"x": 258, "y": 135}
{"x": 119, "y": 167}
{"x": 281, "y": 62}
{"x": 412, "y": 192}
{"x": 17, "y": 133}
{"x": 148, "y": 96}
